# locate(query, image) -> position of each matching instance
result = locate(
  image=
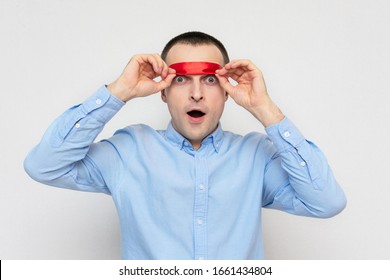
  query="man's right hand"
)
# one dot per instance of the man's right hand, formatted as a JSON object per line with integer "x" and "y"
{"x": 137, "y": 79}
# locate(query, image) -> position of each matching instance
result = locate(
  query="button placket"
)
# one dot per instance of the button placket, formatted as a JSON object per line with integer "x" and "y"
{"x": 200, "y": 207}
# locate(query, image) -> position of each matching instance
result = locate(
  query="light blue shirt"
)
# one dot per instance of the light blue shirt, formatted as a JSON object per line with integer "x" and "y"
{"x": 175, "y": 202}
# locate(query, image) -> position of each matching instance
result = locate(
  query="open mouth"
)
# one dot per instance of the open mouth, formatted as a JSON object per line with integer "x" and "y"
{"x": 196, "y": 114}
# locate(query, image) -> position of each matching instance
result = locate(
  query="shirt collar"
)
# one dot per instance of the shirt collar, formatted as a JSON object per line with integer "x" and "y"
{"x": 215, "y": 138}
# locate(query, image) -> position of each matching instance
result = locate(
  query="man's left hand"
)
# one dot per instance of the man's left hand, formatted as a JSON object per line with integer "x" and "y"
{"x": 250, "y": 91}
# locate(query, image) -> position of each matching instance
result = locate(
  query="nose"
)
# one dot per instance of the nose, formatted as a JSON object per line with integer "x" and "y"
{"x": 196, "y": 93}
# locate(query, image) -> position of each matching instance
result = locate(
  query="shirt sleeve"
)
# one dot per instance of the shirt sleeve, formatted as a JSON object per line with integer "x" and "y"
{"x": 60, "y": 159}
{"x": 298, "y": 178}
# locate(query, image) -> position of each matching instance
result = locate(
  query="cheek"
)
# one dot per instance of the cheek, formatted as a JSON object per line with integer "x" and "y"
{"x": 218, "y": 98}
{"x": 175, "y": 104}
{"x": 217, "y": 107}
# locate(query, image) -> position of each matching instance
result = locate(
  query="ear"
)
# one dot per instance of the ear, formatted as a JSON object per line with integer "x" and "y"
{"x": 163, "y": 96}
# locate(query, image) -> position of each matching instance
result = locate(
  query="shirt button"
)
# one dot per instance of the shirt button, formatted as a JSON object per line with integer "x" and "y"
{"x": 200, "y": 222}
{"x": 201, "y": 186}
{"x": 98, "y": 101}
{"x": 286, "y": 134}
{"x": 77, "y": 125}
{"x": 303, "y": 163}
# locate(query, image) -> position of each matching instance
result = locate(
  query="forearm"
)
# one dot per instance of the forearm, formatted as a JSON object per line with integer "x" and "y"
{"x": 311, "y": 185}
{"x": 268, "y": 113}
{"x": 66, "y": 142}
{"x": 120, "y": 91}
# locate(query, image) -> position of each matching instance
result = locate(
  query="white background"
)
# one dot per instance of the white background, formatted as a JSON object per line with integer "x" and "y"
{"x": 326, "y": 64}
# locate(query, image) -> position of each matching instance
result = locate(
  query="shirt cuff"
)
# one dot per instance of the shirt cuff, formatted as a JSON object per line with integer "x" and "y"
{"x": 103, "y": 100}
{"x": 284, "y": 135}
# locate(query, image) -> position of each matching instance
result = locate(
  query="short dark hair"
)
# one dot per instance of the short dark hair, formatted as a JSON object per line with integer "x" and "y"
{"x": 195, "y": 38}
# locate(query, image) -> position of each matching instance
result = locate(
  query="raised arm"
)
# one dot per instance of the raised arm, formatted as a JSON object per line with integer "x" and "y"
{"x": 298, "y": 178}
{"x": 61, "y": 158}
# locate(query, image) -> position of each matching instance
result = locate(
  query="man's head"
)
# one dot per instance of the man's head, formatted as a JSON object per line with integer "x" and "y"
{"x": 195, "y": 102}
{"x": 195, "y": 38}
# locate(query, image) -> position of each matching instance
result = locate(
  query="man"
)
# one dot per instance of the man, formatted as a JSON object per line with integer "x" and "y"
{"x": 192, "y": 191}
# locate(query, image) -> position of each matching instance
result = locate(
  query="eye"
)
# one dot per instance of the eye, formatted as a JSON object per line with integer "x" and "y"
{"x": 180, "y": 79}
{"x": 211, "y": 80}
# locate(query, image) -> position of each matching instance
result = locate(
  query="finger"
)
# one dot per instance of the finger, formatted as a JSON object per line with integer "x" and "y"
{"x": 221, "y": 71}
{"x": 244, "y": 67}
{"x": 153, "y": 62}
{"x": 236, "y": 71}
{"x": 144, "y": 64}
{"x": 233, "y": 75}
{"x": 170, "y": 71}
{"x": 156, "y": 64}
{"x": 163, "y": 84}
{"x": 243, "y": 63}
{"x": 226, "y": 72}
{"x": 166, "y": 70}
{"x": 160, "y": 63}
{"x": 236, "y": 67}
{"x": 225, "y": 84}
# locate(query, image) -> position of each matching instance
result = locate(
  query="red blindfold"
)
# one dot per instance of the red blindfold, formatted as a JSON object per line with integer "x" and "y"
{"x": 195, "y": 68}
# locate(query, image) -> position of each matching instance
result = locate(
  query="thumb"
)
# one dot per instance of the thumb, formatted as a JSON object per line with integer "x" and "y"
{"x": 164, "y": 83}
{"x": 225, "y": 83}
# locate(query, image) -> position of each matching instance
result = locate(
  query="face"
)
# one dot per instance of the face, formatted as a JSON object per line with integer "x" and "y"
{"x": 195, "y": 102}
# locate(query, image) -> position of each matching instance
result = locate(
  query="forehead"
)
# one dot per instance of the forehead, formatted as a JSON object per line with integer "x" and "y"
{"x": 188, "y": 53}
